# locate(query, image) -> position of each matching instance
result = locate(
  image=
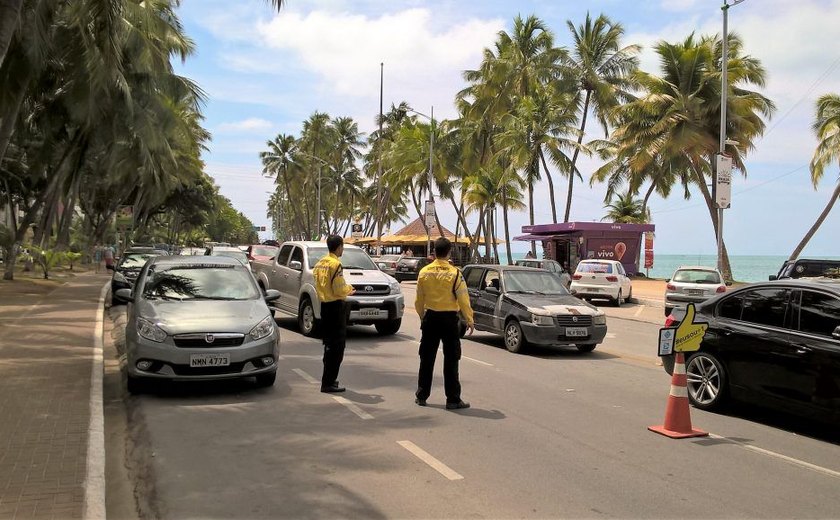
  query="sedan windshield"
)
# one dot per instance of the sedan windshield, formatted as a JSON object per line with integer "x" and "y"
{"x": 536, "y": 282}
{"x": 696, "y": 276}
{"x": 239, "y": 255}
{"x": 351, "y": 259}
{"x": 135, "y": 260}
{"x": 200, "y": 282}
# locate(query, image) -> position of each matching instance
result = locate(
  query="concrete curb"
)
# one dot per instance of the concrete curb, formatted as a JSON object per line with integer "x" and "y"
{"x": 94, "y": 499}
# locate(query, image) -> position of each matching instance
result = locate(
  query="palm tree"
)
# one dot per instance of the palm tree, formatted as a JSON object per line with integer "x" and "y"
{"x": 601, "y": 70}
{"x": 627, "y": 210}
{"x": 827, "y": 128}
{"x": 281, "y": 162}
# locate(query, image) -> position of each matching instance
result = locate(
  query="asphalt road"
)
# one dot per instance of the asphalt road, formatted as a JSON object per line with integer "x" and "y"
{"x": 552, "y": 433}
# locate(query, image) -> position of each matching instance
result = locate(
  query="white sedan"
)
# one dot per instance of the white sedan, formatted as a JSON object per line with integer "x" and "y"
{"x": 604, "y": 279}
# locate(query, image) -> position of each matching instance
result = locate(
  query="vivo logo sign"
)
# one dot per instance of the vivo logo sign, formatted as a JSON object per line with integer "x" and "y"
{"x": 605, "y": 254}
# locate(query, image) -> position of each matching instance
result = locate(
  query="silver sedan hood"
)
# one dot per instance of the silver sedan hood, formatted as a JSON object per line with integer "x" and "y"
{"x": 180, "y": 317}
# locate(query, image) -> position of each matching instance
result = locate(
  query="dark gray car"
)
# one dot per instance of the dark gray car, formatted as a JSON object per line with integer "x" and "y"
{"x": 531, "y": 306}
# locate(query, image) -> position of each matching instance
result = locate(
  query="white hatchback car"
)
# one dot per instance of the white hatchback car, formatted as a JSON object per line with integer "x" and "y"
{"x": 604, "y": 279}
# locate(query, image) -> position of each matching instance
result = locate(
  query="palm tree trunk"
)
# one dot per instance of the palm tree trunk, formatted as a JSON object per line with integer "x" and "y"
{"x": 495, "y": 242}
{"x": 550, "y": 188}
{"x": 507, "y": 228}
{"x": 817, "y": 224}
{"x": 647, "y": 197}
{"x": 488, "y": 229}
{"x": 575, "y": 156}
{"x": 9, "y": 18}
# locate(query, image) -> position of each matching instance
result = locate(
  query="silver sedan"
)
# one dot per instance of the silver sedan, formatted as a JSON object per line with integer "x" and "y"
{"x": 198, "y": 318}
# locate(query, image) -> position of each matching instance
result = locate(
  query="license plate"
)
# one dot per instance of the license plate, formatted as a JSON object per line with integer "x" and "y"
{"x": 403, "y": 268}
{"x": 369, "y": 313}
{"x": 577, "y": 332}
{"x": 695, "y": 292}
{"x": 209, "y": 360}
{"x": 594, "y": 290}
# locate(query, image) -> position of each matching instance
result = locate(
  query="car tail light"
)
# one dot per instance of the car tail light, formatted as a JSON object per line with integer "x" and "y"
{"x": 671, "y": 287}
{"x": 721, "y": 289}
{"x": 576, "y": 277}
{"x": 612, "y": 278}
{"x": 670, "y": 320}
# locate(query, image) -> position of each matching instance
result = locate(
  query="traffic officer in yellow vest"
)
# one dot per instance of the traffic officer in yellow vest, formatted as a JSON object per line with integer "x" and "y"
{"x": 441, "y": 294}
{"x": 332, "y": 291}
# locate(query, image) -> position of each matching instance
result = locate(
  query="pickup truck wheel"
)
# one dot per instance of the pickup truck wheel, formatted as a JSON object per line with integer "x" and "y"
{"x": 307, "y": 323}
{"x": 388, "y": 328}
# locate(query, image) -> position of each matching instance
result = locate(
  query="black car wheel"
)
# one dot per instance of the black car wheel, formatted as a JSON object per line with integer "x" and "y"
{"x": 266, "y": 380}
{"x": 514, "y": 339}
{"x": 388, "y": 328}
{"x": 706, "y": 379}
{"x": 307, "y": 323}
{"x": 619, "y": 300}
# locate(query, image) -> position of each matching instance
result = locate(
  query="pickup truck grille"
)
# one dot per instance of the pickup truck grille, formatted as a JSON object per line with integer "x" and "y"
{"x": 569, "y": 321}
{"x": 371, "y": 289}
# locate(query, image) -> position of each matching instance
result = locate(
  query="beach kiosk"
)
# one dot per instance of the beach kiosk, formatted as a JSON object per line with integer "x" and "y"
{"x": 571, "y": 242}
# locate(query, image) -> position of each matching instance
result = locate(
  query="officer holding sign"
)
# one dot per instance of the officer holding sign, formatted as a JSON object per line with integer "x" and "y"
{"x": 441, "y": 294}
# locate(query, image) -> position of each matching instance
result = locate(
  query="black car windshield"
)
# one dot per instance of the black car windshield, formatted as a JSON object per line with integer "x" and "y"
{"x": 696, "y": 276}
{"x": 537, "y": 282}
{"x": 200, "y": 282}
{"x": 351, "y": 259}
{"x": 135, "y": 260}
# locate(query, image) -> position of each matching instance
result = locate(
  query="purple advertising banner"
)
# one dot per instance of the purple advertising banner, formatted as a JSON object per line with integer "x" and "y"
{"x": 624, "y": 250}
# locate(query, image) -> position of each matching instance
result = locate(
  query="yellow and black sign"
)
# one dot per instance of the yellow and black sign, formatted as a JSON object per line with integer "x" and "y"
{"x": 687, "y": 337}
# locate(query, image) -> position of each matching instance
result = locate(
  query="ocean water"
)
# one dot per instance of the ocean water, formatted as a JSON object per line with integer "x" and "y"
{"x": 744, "y": 268}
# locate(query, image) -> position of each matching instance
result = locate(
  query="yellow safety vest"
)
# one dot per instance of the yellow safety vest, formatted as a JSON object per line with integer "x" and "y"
{"x": 329, "y": 279}
{"x": 441, "y": 287}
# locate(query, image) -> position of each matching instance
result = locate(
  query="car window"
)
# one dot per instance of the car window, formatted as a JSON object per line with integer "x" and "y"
{"x": 696, "y": 276}
{"x": 491, "y": 278}
{"x": 731, "y": 307}
{"x": 551, "y": 267}
{"x": 285, "y": 253}
{"x": 135, "y": 260}
{"x": 200, "y": 282}
{"x": 819, "y": 313}
{"x": 595, "y": 267}
{"x": 473, "y": 278}
{"x": 297, "y": 256}
{"x": 765, "y": 306}
{"x": 621, "y": 270}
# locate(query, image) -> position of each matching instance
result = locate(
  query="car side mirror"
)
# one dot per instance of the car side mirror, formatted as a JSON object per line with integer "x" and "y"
{"x": 668, "y": 280}
{"x": 124, "y": 295}
{"x": 271, "y": 295}
{"x": 836, "y": 333}
{"x": 773, "y": 277}
{"x": 297, "y": 266}
{"x": 728, "y": 283}
{"x": 494, "y": 291}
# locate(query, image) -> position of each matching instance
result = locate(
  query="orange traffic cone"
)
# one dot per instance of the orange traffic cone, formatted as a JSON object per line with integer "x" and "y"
{"x": 677, "y": 412}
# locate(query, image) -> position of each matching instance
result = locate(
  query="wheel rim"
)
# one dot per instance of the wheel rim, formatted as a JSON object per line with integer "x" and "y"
{"x": 308, "y": 318}
{"x": 703, "y": 379}
{"x": 512, "y": 336}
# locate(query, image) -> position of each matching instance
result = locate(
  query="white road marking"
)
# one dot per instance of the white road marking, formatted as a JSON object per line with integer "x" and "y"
{"x": 353, "y": 408}
{"x": 785, "y": 458}
{"x": 639, "y": 311}
{"x": 94, "y": 501}
{"x": 610, "y": 335}
{"x": 437, "y": 465}
{"x": 307, "y": 377}
{"x": 480, "y": 362}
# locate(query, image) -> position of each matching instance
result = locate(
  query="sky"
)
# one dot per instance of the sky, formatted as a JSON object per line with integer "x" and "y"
{"x": 265, "y": 72}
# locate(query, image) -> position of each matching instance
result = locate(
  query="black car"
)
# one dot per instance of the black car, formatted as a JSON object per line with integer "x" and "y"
{"x": 126, "y": 271}
{"x": 806, "y": 268}
{"x": 409, "y": 267}
{"x": 531, "y": 306}
{"x": 776, "y": 344}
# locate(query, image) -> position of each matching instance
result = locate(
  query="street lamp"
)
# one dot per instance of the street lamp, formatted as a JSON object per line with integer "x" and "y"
{"x": 724, "y": 90}
{"x": 431, "y": 119}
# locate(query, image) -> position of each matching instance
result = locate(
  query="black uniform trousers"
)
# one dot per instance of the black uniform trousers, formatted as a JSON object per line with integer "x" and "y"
{"x": 440, "y": 327}
{"x": 334, "y": 327}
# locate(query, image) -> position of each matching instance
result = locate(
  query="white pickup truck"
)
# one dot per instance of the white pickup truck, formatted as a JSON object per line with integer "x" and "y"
{"x": 378, "y": 299}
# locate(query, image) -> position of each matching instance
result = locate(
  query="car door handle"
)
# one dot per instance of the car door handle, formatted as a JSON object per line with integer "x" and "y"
{"x": 803, "y": 349}
{"x": 726, "y": 332}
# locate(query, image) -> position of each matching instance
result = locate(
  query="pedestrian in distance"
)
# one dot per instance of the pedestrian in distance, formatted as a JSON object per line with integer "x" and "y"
{"x": 529, "y": 255}
{"x": 332, "y": 291}
{"x": 441, "y": 295}
{"x": 109, "y": 258}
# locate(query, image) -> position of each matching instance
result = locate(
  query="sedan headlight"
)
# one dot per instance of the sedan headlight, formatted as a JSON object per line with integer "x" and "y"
{"x": 395, "y": 287}
{"x": 599, "y": 319}
{"x": 150, "y": 331}
{"x": 263, "y": 329}
{"x": 537, "y": 319}
{"x": 118, "y": 277}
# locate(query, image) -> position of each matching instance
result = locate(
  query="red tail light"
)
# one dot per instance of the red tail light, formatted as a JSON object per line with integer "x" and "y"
{"x": 721, "y": 289}
{"x": 576, "y": 277}
{"x": 671, "y": 287}
{"x": 669, "y": 321}
{"x": 612, "y": 278}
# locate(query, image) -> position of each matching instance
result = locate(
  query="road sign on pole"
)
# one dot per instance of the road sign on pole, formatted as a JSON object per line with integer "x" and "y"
{"x": 723, "y": 188}
{"x": 430, "y": 213}
{"x": 357, "y": 231}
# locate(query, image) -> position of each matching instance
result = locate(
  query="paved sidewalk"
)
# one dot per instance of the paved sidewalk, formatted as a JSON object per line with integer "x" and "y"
{"x": 46, "y": 348}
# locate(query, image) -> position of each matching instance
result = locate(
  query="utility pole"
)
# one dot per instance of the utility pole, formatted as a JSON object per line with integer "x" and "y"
{"x": 380, "y": 211}
{"x": 431, "y": 174}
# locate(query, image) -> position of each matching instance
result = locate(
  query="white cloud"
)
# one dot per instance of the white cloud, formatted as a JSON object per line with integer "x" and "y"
{"x": 252, "y": 124}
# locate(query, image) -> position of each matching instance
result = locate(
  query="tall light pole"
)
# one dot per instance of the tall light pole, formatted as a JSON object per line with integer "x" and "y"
{"x": 724, "y": 91}
{"x": 431, "y": 119}
{"x": 379, "y": 202}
